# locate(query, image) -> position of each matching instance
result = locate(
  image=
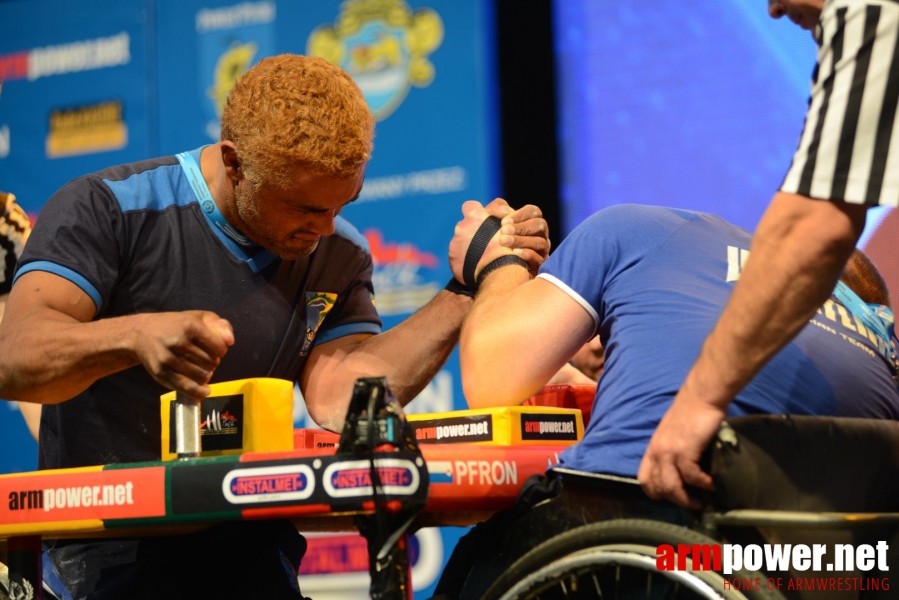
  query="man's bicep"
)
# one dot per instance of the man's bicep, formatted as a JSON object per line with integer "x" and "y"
{"x": 517, "y": 351}
{"x": 37, "y": 291}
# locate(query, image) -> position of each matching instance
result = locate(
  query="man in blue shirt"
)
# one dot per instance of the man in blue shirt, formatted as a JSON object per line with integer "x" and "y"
{"x": 844, "y": 164}
{"x": 651, "y": 281}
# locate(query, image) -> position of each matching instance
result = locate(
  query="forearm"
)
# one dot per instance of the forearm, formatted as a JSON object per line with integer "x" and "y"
{"x": 412, "y": 353}
{"x": 797, "y": 255}
{"x": 491, "y": 346}
{"x": 409, "y": 355}
{"x": 49, "y": 357}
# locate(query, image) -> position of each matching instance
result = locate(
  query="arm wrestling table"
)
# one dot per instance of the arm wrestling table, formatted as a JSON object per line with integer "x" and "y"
{"x": 317, "y": 488}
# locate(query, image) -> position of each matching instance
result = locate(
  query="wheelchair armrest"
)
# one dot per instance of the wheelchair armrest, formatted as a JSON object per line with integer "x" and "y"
{"x": 805, "y": 463}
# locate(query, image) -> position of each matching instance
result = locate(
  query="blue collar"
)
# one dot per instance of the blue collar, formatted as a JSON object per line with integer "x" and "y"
{"x": 237, "y": 243}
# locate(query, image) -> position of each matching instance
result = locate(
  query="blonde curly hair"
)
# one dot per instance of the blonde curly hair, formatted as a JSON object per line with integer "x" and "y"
{"x": 292, "y": 110}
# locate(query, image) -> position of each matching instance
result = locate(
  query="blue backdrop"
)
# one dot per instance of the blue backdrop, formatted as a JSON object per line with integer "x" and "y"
{"x": 690, "y": 104}
{"x": 125, "y": 80}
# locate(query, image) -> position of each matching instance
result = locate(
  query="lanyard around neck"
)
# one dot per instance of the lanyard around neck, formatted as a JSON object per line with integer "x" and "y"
{"x": 207, "y": 203}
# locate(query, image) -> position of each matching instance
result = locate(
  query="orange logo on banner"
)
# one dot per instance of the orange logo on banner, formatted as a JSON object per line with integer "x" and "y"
{"x": 83, "y": 495}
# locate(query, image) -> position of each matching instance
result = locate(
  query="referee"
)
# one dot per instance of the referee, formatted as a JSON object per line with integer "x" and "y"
{"x": 847, "y": 161}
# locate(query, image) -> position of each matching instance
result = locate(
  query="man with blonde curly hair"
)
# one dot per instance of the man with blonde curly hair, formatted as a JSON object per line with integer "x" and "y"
{"x": 221, "y": 263}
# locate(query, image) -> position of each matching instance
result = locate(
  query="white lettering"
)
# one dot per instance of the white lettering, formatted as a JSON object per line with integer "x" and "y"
{"x": 86, "y": 55}
{"x": 434, "y": 181}
{"x": 231, "y": 17}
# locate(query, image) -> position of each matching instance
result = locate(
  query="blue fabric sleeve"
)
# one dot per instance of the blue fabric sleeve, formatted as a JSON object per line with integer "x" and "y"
{"x": 605, "y": 245}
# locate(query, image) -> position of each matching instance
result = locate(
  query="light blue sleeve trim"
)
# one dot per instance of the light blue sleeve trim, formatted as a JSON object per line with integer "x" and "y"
{"x": 65, "y": 273}
{"x": 574, "y": 296}
{"x": 345, "y": 330}
{"x": 347, "y": 230}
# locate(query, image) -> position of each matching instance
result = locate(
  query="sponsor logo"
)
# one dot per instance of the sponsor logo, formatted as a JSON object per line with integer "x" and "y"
{"x": 116, "y": 494}
{"x": 231, "y": 66}
{"x": 352, "y": 479}
{"x": 548, "y": 427}
{"x": 318, "y": 305}
{"x": 454, "y": 430}
{"x": 85, "y": 55}
{"x": 86, "y": 129}
{"x": 344, "y": 553}
{"x": 397, "y": 275}
{"x": 269, "y": 484}
{"x": 473, "y": 472}
{"x": 221, "y": 422}
{"x": 231, "y": 40}
{"x": 440, "y": 471}
{"x": 384, "y": 46}
{"x": 232, "y": 17}
{"x": 773, "y": 559}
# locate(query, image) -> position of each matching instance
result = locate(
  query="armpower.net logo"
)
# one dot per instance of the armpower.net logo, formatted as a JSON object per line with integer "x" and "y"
{"x": 816, "y": 567}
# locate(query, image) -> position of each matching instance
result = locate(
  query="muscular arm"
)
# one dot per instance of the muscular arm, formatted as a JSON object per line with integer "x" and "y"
{"x": 409, "y": 355}
{"x": 50, "y": 350}
{"x": 797, "y": 255}
{"x": 412, "y": 353}
{"x": 517, "y": 336}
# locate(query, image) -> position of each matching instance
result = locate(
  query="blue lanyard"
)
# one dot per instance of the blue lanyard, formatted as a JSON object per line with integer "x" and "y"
{"x": 201, "y": 191}
{"x": 877, "y": 318}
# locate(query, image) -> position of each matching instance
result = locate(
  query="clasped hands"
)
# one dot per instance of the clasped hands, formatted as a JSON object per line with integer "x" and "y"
{"x": 523, "y": 233}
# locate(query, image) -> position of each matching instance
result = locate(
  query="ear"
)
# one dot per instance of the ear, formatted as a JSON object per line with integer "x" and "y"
{"x": 230, "y": 160}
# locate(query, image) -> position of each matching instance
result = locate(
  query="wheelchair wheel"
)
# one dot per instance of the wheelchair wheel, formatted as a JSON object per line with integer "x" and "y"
{"x": 617, "y": 560}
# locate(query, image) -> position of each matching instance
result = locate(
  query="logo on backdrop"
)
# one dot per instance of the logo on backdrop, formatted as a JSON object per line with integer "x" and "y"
{"x": 231, "y": 40}
{"x": 384, "y": 46}
{"x": 88, "y": 129}
{"x": 61, "y": 59}
{"x": 231, "y": 65}
{"x": 397, "y": 275}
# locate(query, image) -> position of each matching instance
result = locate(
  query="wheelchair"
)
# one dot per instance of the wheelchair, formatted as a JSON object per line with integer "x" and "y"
{"x": 779, "y": 480}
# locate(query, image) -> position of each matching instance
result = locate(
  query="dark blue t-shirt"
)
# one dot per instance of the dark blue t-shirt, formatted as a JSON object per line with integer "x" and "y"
{"x": 655, "y": 281}
{"x": 137, "y": 239}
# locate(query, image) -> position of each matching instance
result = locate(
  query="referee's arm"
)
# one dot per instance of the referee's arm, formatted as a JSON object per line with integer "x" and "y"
{"x": 847, "y": 161}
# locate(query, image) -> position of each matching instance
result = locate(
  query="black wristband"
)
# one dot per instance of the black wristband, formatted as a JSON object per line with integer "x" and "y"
{"x": 476, "y": 248}
{"x": 502, "y": 261}
{"x": 459, "y": 288}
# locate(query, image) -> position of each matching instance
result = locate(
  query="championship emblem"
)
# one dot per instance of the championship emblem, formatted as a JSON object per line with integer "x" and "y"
{"x": 384, "y": 46}
{"x": 318, "y": 305}
{"x": 230, "y": 67}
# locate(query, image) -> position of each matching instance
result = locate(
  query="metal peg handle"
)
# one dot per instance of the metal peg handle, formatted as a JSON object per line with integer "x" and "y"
{"x": 187, "y": 427}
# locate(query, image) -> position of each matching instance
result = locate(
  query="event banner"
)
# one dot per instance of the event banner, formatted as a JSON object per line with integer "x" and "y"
{"x": 76, "y": 92}
{"x": 128, "y": 80}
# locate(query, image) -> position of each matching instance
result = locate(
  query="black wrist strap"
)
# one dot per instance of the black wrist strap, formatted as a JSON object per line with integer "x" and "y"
{"x": 476, "y": 249}
{"x": 502, "y": 261}
{"x": 459, "y": 288}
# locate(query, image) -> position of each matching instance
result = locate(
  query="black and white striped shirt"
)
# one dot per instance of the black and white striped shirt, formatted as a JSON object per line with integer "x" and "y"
{"x": 849, "y": 149}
